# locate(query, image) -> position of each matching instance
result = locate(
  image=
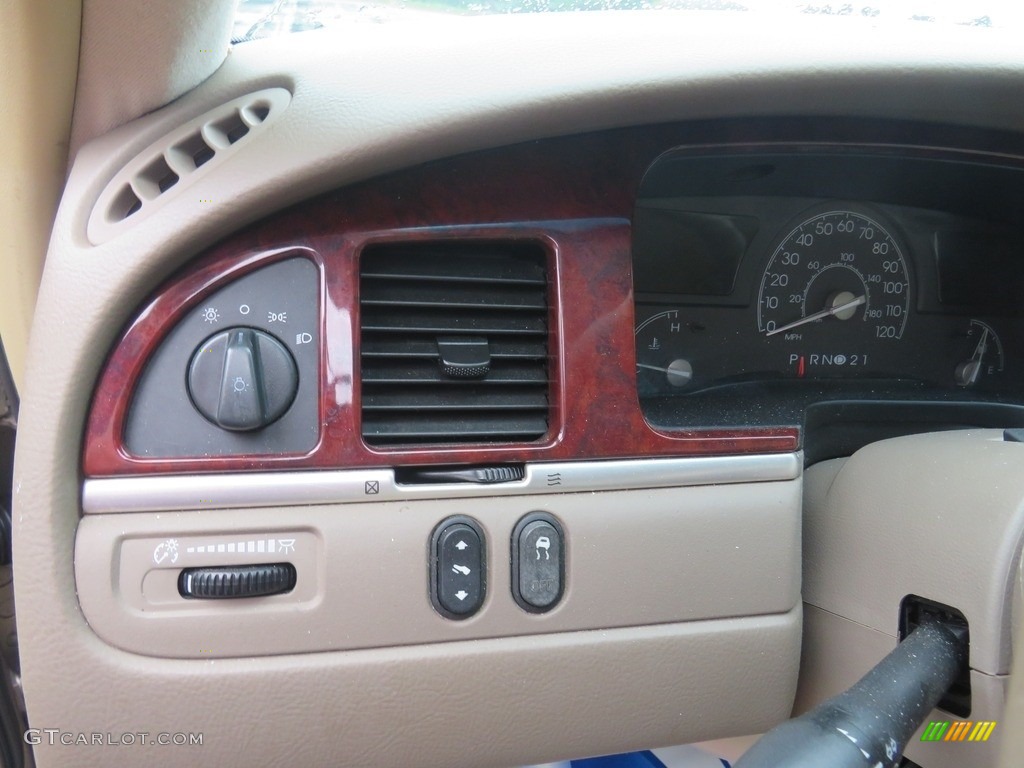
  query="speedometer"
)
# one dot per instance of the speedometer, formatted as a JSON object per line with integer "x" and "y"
{"x": 838, "y": 278}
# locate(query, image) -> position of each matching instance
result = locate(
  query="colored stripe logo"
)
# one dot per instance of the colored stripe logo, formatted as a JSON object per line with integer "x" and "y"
{"x": 963, "y": 730}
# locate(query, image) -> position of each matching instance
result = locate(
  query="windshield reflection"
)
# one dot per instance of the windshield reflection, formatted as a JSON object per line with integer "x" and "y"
{"x": 266, "y": 18}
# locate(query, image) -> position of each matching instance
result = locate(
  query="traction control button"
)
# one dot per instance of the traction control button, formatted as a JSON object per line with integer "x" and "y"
{"x": 538, "y": 562}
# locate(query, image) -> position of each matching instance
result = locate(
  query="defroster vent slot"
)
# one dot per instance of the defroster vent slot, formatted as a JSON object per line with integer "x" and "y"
{"x": 454, "y": 343}
{"x": 178, "y": 160}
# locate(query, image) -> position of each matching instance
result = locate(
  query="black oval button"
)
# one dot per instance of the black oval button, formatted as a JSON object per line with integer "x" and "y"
{"x": 538, "y": 562}
{"x": 458, "y": 581}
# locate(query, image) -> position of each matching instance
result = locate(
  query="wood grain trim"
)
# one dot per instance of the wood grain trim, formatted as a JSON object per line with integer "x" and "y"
{"x": 573, "y": 195}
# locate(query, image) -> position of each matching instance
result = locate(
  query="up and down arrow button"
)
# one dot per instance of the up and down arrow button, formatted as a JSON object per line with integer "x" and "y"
{"x": 458, "y": 573}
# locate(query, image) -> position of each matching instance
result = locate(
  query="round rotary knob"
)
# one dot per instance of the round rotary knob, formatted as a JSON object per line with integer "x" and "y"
{"x": 242, "y": 379}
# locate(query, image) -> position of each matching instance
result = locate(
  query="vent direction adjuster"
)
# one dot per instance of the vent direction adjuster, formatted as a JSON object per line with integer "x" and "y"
{"x": 464, "y": 357}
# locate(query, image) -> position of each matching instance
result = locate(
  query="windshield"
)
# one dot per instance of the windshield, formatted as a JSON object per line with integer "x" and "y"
{"x": 264, "y": 18}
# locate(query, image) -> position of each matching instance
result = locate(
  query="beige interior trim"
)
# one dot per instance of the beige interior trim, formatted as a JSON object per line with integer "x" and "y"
{"x": 631, "y": 558}
{"x": 1013, "y": 739}
{"x": 948, "y": 504}
{"x": 479, "y": 704}
{"x": 837, "y": 652}
{"x": 940, "y": 516}
{"x": 136, "y": 58}
{"x": 38, "y": 69}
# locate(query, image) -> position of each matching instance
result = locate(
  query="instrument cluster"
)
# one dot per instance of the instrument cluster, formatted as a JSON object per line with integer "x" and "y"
{"x": 792, "y": 299}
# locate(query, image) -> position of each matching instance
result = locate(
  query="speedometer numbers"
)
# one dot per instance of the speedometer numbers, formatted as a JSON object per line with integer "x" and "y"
{"x": 835, "y": 290}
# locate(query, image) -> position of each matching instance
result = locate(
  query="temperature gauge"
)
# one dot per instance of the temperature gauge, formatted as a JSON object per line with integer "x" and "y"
{"x": 658, "y": 362}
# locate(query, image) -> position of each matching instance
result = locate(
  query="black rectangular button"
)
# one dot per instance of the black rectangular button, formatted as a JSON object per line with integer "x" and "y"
{"x": 459, "y": 581}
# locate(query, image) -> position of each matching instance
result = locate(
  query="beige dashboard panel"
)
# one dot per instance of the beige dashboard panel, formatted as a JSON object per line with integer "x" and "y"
{"x": 951, "y": 503}
{"x": 1013, "y": 742}
{"x": 632, "y": 558}
{"x": 478, "y": 703}
{"x": 837, "y": 652}
{"x": 939, "y": 516}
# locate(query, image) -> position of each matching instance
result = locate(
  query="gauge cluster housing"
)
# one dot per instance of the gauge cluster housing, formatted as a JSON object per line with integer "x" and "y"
{"x": 795, "y": 277}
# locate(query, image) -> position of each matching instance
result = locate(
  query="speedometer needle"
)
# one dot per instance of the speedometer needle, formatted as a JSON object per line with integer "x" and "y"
{"x": 818, "y": 315}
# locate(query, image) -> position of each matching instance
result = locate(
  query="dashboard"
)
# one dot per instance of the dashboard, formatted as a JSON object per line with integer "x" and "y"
{"x": 316, "y": 355}
{"x": 747, "y": 300}
{"x": 795, "y": 276}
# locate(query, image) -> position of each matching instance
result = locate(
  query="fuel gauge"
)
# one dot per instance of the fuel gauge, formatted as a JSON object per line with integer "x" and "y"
{"x": 983, "y": 355}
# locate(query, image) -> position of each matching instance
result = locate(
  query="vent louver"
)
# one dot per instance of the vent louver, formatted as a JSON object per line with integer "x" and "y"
{"x": 177, "y": 160}
{"x": 454, "y": 343}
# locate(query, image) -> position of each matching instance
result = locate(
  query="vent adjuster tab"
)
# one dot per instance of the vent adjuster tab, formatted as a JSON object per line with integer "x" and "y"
{"x": 464, "y": 357}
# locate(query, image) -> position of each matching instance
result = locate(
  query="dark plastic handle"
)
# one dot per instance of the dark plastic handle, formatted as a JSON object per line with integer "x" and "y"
{"x": 870, "y": 724}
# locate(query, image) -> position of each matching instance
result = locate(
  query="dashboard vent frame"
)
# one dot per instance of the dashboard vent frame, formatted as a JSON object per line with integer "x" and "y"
{"x": 176, "y": 160}
{"x": 454, "y": 343}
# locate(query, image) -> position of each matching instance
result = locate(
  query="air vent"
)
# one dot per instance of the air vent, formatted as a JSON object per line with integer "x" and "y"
{"x": 171, "y": 164}
{"x": 454, "y": 343}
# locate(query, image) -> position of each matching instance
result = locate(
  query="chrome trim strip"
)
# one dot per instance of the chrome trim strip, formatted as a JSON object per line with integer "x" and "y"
{"x": 273, "y": 489}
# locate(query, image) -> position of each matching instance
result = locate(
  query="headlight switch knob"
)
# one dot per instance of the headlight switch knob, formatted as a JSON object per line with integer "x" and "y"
{"x": 242, "y": 379}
